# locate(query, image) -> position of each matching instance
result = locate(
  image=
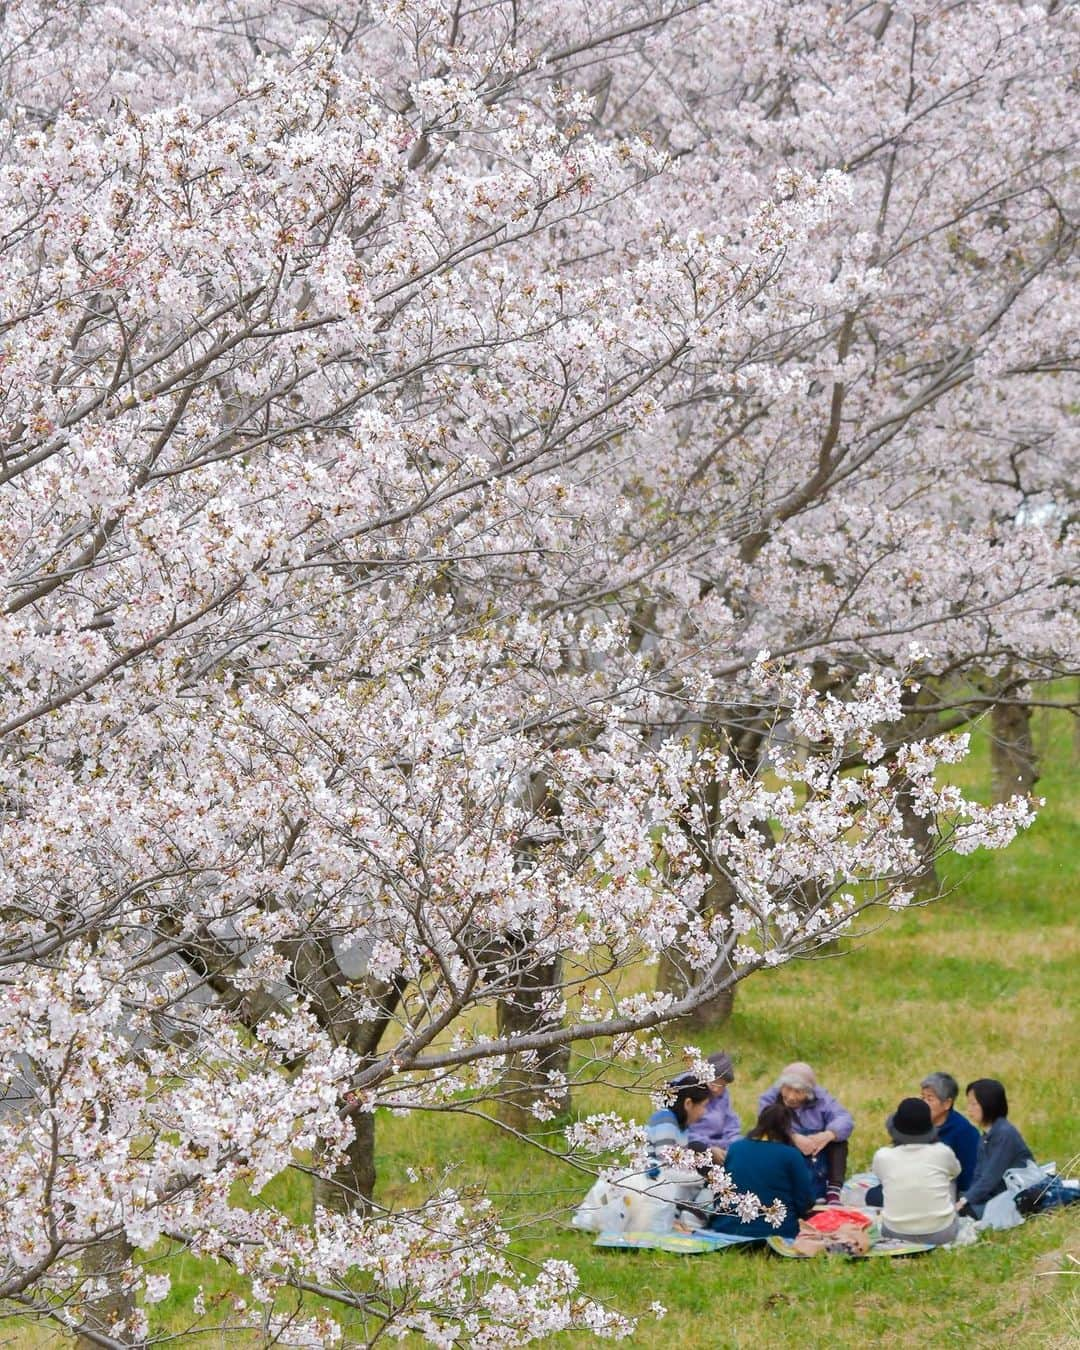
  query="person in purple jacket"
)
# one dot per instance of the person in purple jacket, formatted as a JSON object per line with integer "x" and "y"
{"x": 821, "y": 1127}
{"x": 719, "y": 1127}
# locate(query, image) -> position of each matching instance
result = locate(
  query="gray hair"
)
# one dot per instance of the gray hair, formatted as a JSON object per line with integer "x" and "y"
{"x": 943, "y": 1085}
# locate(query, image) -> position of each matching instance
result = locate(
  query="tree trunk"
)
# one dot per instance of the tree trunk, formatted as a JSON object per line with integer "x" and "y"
{"x": 1014, "y": 766}
{"x": 349, "y": 1186}
{"x": 109, "y": 1261}
{"x": 672, "y": 977}
{"x": 525, "y": 1081}
{"x": 921, "y": 831}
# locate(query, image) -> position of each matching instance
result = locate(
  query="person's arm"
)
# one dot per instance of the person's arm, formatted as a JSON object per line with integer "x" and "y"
{"x": 950, "y": 1162}
{"x": 732, "y": 1127}
{"x": 800, "y": 1185}
{"x": 838, "y": 1119}
{"x": 994, "y": 1157}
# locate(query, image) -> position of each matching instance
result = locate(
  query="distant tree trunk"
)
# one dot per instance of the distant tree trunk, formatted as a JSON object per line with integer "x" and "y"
{"x": 109, "y": 1261}
{"x": 348, "y": 1186}
{"x": 525, "y": 1080}
{"x": 1014, "y": 766}
{"x": 921, "y": 830}
{"x": 676, "y": 976}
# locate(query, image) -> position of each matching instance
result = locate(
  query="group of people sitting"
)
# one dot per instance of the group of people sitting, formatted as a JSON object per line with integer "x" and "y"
{"x": 937, "y": 1168}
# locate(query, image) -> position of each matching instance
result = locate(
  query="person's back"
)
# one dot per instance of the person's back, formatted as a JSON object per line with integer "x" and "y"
{"x": 917, "y": 1187}
{"x": 765, "y": 1165}
{"x": 917, "y": 1175}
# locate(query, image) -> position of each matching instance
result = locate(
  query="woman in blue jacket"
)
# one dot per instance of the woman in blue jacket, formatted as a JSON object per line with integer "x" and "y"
{"x": 1001, "y": 1147}
{"x": 767, "y": 1164}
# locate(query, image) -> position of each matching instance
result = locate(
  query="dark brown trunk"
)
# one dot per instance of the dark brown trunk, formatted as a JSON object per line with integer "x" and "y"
{"x": 109, "y": 1262}
{"x": 1014, "y": 767}
{"x": 347, "y": 1187}
{"x": 525, "y": 1080}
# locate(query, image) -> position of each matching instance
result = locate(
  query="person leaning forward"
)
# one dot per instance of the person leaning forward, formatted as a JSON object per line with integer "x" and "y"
{"x": 821, "y": 1127}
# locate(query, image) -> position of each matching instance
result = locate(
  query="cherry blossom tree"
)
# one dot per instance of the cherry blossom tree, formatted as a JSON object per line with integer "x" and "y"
{"x": 448, "y": 458}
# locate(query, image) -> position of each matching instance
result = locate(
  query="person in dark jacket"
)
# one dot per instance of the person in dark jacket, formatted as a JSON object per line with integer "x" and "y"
{"x": 821, "y": 1127}
{"x": 940, "y": 1091}
{"x": 767, "y": 1164}
{"x": 1002, "y": 1145}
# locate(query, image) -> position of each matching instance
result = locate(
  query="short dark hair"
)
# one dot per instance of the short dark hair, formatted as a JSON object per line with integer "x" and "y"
{"x": 687, "y": 1089}
{"x": 990, "y": 1094}
{"x": 774, "y": 1123}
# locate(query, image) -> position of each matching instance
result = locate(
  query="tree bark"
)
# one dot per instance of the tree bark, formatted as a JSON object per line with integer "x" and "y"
{"x": 1014, "y": 766}
{"x": 348, "y": 1186}
{"x": 525, "y": 1081}
{"x": 109, "y": 1261}
{"x": 674, "y": 976}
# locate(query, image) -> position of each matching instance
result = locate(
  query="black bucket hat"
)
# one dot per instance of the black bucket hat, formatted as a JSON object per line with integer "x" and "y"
{"x": 910, "y": 1123}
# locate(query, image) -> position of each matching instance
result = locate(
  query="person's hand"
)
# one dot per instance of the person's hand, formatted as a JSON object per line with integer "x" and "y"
{"x": 961, "y": 1204}
{"x": 817, "y": 1142}
{"x": 718, "y": 1154}
{"x": 805, "y": 1144}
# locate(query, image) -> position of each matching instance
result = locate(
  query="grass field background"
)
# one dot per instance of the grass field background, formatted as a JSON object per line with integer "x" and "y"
{"x": 981, "y": 983}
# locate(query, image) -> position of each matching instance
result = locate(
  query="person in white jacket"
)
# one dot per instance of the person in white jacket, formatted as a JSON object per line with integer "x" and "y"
{"x": 917, "y": 1175}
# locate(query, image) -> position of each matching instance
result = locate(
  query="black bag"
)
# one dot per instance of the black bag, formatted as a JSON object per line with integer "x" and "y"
{"x": 1052, "y": 1193}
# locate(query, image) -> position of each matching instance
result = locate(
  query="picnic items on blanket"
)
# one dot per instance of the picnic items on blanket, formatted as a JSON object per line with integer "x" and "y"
{"x": 843, "y": 1239}
{"x": 636, "y": 1202}
{"x": 829, "y": 1220}
{"x": 1031, "y": 1189}
{"x": 781, "y": 1246}
{"x": 854, "y": 1191}
{"x": 1053, "y": 1192}
{"x": 679, "y": 1244}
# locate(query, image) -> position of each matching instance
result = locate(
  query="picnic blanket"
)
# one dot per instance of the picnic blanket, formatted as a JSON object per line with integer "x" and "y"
{"x": 879, "y": 1247}
{"x": 681, "y": 1244}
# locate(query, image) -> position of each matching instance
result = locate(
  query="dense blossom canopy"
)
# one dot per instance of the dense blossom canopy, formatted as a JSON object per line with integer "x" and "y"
{"x": 473, "y": 482}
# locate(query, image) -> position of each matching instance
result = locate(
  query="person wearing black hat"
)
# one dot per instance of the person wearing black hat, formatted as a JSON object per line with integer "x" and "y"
{"x": 917, "y": 1175}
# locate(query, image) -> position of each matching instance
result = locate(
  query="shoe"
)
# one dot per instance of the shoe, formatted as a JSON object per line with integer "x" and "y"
{"x": 832, "y": 1197}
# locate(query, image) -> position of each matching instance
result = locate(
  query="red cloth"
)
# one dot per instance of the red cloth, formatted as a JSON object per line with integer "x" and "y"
{"x": 829, "y": 1220}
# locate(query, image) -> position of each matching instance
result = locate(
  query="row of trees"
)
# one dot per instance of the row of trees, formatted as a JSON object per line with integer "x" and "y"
{"x": 490, "y": 497}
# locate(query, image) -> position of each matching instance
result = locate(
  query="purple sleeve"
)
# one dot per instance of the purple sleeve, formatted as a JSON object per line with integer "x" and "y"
{"x": 834, "y": 1116}
{"x": 719, "y": 1126}
{"x": 732, "y": 1125}
{"x": 767, "y": 1099}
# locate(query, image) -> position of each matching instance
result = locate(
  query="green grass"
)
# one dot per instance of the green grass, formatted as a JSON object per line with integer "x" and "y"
{"x": 982, "y": 983}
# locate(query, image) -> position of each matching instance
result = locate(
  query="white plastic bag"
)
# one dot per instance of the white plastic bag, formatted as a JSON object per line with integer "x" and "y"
{"x": 634, "y": 1203}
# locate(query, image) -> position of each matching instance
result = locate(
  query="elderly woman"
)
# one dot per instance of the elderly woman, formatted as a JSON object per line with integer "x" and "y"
{"x": 917, "y": 1175}
{"x": 821, "y": 1127}
{"x": 1001, "y": 1147}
